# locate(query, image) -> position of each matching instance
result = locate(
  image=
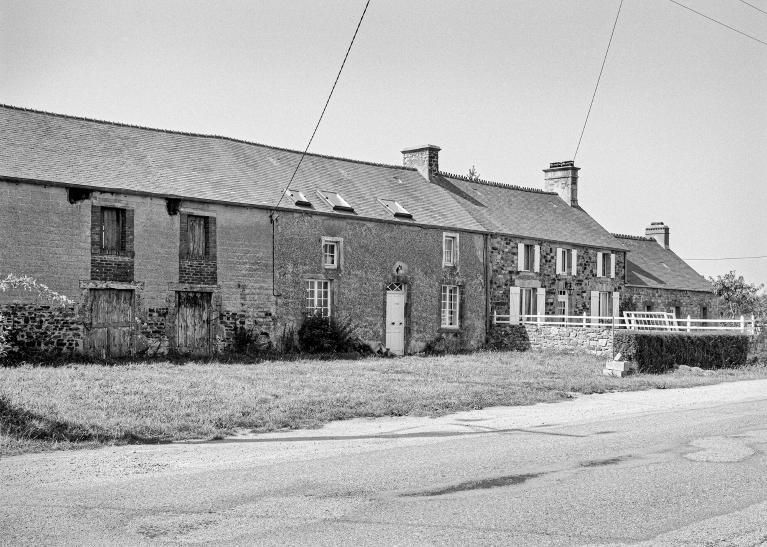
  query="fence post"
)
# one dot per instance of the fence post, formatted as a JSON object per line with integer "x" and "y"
{"x": 753, "y": 324}
{"x": 584, "y": 319}
{"x": 742, "y": 324}
{"x": 688, "y": 323}
{"x": 495, "y": 317}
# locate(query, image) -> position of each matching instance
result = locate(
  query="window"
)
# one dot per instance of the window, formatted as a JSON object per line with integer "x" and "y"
{"x": 197, "y": 236}
{"x": 605, "y": 265}
{"x": 677, "y": 312}
{"x": 298, "y": 198}
{"x": 566, "y": 261}
{"x": 605, "y": 304}
{"x": 449, "y": 249}
{"x": 112, "y": 230}
{"x": 528, "y": 257}
{"x": 528, "y": 302}
{"x": 704, "y": 312}
{"x": 336, "y": 201}
{"x": 449, "y": 306}
{"x": 395, "y": 208}
{"x": 562, "y": 303}
{"x": 318, "y": 297}
{"x": 648, "y": 307}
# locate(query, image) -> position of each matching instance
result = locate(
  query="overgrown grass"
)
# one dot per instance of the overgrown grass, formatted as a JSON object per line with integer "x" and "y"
{"x": 43, "y": 408}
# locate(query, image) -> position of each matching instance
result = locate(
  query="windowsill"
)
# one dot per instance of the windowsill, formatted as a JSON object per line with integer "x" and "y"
{"x": 116, "y": 254}
{"x": 449, "y": 329}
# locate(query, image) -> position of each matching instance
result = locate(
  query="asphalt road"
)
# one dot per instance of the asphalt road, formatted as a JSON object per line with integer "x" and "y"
{"x": 664, "y": 467}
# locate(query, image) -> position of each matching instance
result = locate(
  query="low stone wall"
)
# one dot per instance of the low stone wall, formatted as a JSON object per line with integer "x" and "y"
{"x": 594, "y": 340}
{"x": 37, "y": 328}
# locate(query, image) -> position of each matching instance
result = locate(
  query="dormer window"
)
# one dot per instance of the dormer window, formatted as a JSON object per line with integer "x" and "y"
{"x": 395, "y": 208}
{"x": 336, "y": 201}
{"x": 298, "y": 198}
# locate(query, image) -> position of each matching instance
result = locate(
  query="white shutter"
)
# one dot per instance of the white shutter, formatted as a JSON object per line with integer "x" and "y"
{"x": 616, "y": 304}
{"x": 600, "y": 258}
{"x": 520, "y": 256}
{"x": 612, "y": 265}
{"x": 540, "y": 307}
{"x": 575, "y": 262}
{"x": 537, "y": 266}
{"x": 514, "y": 305}
{"x": 560, "y": 260}
{"x": 595, "y": 303}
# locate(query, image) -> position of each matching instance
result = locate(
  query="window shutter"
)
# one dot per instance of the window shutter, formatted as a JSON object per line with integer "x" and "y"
{"x": 520, "y": 256}
{"x": 537, "y": 265}
{"x": 600, "y": 258}
{"x": 514, "y": 304}
{"x": 616, "y": 304}
{"x": 540, "y": 307}
{"x": 595, "y": 303}
{"x": 560, "y": 261}
{"x": 612, "y": 265}
{"x": 575, "y": 262}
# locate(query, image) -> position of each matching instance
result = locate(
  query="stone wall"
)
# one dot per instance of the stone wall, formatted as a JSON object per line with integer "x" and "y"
{"x": 39, "y": 328}
{"x": 688, "y": 302}
{"x": 594, "y": 340}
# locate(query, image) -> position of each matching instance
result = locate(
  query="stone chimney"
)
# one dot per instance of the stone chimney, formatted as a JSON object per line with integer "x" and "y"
{"x": 562, "y": 177}
{"x": 424, "y": 158}
{"x": 659, "y": 231}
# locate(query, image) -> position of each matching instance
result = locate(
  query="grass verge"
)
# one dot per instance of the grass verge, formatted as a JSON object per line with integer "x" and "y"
{"x": 45, "y": 408}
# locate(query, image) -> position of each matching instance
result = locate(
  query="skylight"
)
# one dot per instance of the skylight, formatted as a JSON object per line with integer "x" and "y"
{"x": 336, "y": 201}
{"x": 299, "y": 198}
{"x": 395, "y": 208}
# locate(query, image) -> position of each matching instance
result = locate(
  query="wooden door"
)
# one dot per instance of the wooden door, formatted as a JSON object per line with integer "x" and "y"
{"x": 193, "y": 323}
{"x": 395, "y": 318}
{"x": 112, "y": 326}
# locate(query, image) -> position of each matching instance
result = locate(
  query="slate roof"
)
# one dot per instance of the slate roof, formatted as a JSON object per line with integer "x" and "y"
{"x": 652, "y": 265}
{"x": 527, "y": 212}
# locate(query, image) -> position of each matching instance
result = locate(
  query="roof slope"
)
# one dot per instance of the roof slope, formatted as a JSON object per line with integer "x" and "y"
{"x": 527, "y": 211}
{"x": 652, "y": 265}
{"x": 68, "y": 150}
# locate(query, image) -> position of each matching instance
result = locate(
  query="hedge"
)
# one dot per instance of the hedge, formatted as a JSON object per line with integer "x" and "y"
{"x": 659, "y": 351}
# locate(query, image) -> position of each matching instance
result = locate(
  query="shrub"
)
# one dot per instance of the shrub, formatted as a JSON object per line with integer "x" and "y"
{"x": 659, "y": 351}
{"x": 328, "y": 335}
{"x": 445, "y": 344}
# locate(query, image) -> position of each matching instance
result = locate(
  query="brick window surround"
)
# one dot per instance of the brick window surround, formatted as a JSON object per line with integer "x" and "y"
{"x": 197, "y": 260}
{"x": 112, "y": 243}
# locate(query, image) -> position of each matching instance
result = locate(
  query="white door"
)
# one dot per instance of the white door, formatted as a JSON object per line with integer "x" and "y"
{"x": 395, "y": 318}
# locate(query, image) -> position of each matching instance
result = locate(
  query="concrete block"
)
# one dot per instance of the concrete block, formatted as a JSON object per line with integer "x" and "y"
{"x": 618, "y": 365}
{"x": 618, "y": 373}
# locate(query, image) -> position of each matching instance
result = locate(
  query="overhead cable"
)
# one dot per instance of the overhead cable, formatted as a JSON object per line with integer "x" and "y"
{"x": 754, "y": 38}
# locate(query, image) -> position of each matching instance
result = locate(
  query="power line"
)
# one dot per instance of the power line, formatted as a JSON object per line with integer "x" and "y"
{"x": 301, "y": 159}
{"x": 593, "y": 96}
{"x": 729, "y": 258}
{"x": 753, "y": 6}
{"x": 719, "y": 22}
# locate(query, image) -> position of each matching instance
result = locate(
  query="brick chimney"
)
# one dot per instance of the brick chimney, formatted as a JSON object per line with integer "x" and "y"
{"x": 659, "y": 231}
{"x": 424, "y": 158}
{"x": 562, "y": 177}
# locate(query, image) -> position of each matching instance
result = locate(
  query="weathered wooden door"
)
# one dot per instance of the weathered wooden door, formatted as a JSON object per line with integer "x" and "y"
{"x": 112, "y": 326}
{"x": 193, "y": 323}
{"x": 395, "y": 318}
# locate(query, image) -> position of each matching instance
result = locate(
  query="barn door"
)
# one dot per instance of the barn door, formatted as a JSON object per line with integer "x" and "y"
{"x": 395, "y": 318}
{"x": 111, "y": 322}
{"x": 193, "y": 323}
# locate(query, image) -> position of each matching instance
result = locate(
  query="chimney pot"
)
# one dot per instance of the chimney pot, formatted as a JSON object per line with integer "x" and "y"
{"x": 425, "y": 158}
{"x": 562, "y": 177}
{"x": 660, "y": 232}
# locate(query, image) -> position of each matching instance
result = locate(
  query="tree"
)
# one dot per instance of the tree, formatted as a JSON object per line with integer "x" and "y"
{"x": 473, "y": 173}
{"x": 736, "y": 295}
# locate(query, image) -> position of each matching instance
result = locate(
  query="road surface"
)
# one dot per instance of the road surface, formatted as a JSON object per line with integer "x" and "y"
{"x": 663, "y": 467}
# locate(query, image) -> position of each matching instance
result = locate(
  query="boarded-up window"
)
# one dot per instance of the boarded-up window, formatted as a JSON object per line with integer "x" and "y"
{"x": 112, "y": 229}
{"x": 197, "y": 236}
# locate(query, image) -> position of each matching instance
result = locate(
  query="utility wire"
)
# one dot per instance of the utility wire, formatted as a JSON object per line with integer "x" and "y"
{"x": 729, "y": 258}
{"x": 593, "y": 96}
{"x": 754, "y": 38}
{"x": 753, "y": 6}
{"x": 301, "y": 159}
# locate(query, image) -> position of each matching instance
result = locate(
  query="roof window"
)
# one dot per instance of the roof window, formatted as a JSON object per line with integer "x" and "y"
{"x": 395, "y": 208}
{"x": 336, "y": 201}
{"x": 298, "y": 198}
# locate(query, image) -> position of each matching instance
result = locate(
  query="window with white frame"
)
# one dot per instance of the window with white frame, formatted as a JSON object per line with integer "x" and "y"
{"x": 563, "y": 301}
{"x": 528, "y": 302}
{"x": 450, "y": 304}
{"x": 318, "y": 297}
{"x": 605, "y": 265}
{"x": 331, "y": 252}
{"x": 528, "y": 257}
{"x": 449, "y": 249}
{"x": 565, "y": 261}
{"x": 605, "y": 304}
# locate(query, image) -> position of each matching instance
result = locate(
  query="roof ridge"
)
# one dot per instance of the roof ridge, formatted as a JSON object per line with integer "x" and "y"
{"x": 493, "y": 183}
{"x": 203, "y": 135}
{"x": 638, "y": 238}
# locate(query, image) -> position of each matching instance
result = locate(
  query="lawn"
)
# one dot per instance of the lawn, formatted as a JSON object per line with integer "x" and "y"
{"x": 81, "y": 405}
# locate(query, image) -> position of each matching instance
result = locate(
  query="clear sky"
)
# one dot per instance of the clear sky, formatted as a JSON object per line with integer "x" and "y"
{"x": 678, "y": 132}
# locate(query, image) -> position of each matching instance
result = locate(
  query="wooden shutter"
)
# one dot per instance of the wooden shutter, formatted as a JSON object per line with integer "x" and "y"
{"x": 112, "y": 223}
{"x": 561, "y": 264}
{"x": 537, "y": 265}
{"x": 196, "y": 241}
{"x": 520, "y": 256}
{"x": 616, "y": 304}
{"x": 595, "y": 303}
{"x": 612, "y": 265}
{"x": 540, "y": 307}
{"x": 575, "y": 262}
{"x": 514, "y": 304}
{"x": 600, "y": 259}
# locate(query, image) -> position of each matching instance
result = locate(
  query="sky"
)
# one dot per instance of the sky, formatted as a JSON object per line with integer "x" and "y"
{"x": 678, "y": 131}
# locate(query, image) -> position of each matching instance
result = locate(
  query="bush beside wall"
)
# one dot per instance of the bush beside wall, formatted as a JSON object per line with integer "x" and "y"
{"x": 657, "y": 352}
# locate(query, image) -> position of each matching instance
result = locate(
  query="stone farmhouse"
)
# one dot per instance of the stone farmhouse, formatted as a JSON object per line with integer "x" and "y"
{"x": 170, "y": 241}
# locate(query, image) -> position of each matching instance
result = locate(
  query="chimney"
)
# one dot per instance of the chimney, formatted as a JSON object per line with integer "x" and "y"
{"x": 424, "y": 158}
{"x": 562, "y": 177}
{"x": 659, "y": 231}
